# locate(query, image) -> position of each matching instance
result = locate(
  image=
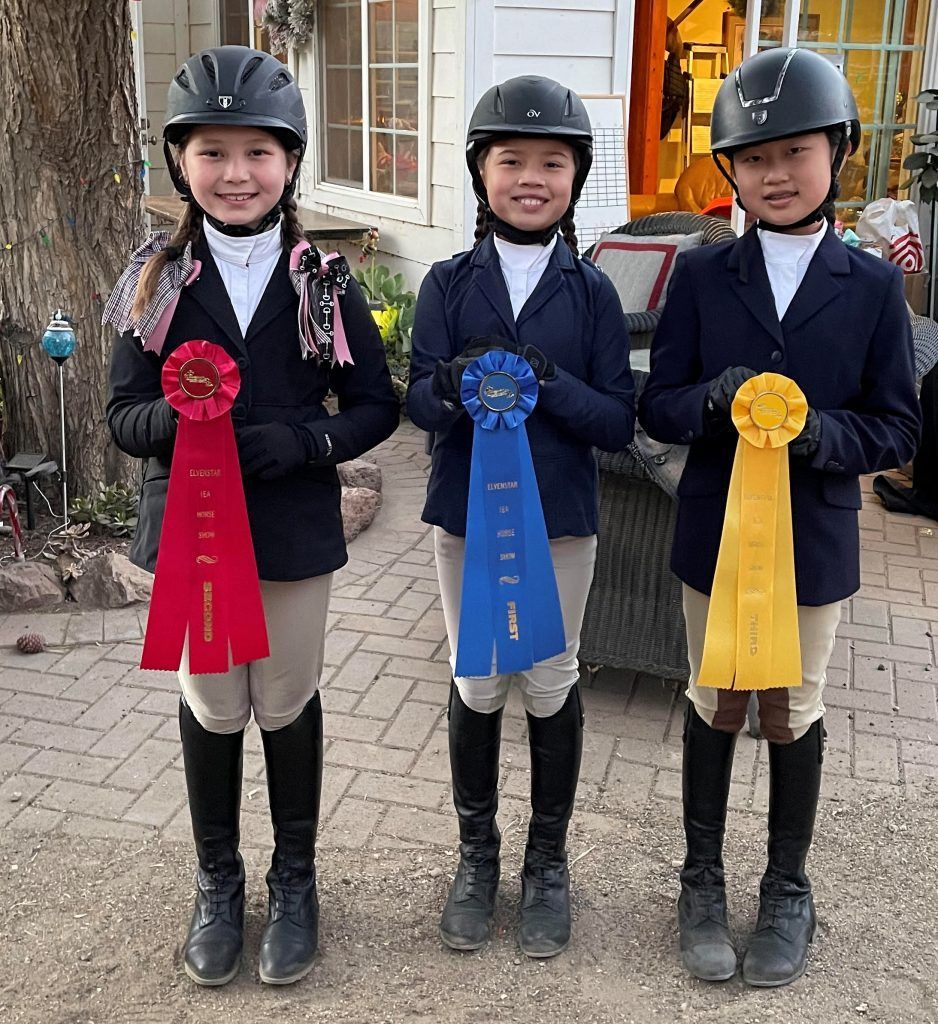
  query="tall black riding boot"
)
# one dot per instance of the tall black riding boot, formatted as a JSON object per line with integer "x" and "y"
{"x": 706, "y": 946}
{"x": 556, "y": 749}
{"x": 474, "y": 741}
{"x": 778, "y": 950}
{"x": 213, "y": 778}
{"x": 294, "y": 779}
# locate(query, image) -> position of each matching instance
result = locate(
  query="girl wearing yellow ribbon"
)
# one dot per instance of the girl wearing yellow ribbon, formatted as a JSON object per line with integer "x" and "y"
{"x": 784, "y": 359}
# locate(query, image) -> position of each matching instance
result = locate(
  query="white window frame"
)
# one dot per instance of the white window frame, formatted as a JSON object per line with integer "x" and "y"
{"x": 360, "y": 200}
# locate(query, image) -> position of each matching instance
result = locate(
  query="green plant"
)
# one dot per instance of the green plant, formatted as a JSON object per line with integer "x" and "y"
{"x": 113, "y": 510}
{"x": 395, "y": 318}
{"x": 924, "y": 164}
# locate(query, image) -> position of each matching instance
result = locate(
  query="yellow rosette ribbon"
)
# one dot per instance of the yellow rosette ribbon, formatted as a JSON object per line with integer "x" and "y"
{"x": 751, "y": 641}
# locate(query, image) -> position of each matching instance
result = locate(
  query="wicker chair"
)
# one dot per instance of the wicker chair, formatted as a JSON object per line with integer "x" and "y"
{"x": 633, "y": 616}
{"x": 642, "y": 324}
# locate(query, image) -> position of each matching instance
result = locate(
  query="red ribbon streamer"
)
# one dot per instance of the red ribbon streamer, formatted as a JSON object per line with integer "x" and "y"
{"x": 206, "y": 577}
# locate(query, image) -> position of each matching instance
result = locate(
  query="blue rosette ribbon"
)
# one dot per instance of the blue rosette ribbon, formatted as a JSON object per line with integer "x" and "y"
{"x": 510, "y": 613}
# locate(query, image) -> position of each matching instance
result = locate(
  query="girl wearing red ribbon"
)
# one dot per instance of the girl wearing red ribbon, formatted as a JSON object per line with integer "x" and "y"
{"x": 287, "y": 325}
{"x": 790, "y": 298}
{"x": 522, "y": 289}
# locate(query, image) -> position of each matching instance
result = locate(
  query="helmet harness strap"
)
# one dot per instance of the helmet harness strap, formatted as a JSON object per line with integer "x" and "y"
{"x": 816, "y": 215}
{"x": 233, "y": 230}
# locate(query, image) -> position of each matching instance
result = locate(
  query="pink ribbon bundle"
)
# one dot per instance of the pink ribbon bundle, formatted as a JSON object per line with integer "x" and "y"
{"x": 318, "y": 279}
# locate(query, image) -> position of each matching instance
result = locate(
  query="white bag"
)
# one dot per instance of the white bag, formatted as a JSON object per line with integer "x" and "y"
{"x": 892, "y": 226}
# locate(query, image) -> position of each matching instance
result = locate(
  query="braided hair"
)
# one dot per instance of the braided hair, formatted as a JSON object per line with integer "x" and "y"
{"x": 484, "y": 215}
{"x": 188, "y": 228}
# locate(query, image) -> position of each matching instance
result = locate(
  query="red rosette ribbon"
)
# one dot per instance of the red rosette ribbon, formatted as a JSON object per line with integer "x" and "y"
{"x": 206, "y": 581}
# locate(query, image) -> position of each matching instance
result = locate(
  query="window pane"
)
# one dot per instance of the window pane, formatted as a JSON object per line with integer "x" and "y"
{"x": 406, "y": 166}
{"x": 406, "y": 99}
{"x": 865, "y": 22}
{"x": 820, "y": 21}
{"x": 382, "y": 97}
{"x": 381, "y": 38}
{"x": 406, "y": 31}
{"x": 394, "y": 96}
{"x": 234, "y": 23}
{"x": 382, "y": 162}
{"x": 341, "y": 89}
{"x": 862, "y": 68}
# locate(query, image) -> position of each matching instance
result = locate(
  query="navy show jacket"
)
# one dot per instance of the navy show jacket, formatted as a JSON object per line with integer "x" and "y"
{"x": 296, "y": 521}
{"x": 574, "y": 317}
{"x": 845, "y": 340}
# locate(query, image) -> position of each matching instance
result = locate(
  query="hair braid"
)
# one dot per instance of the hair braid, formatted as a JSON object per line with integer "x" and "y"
{"x": 568, "y": 231}
{"x": 293, "y": 232}
{"x": 483, "y": 223}
{"x": 187, "y": 230}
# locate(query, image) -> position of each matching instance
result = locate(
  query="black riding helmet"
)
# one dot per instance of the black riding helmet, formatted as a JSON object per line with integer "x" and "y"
{"x": 780, "y": 93}
{"x": 234, "y": 85}
{"x": 531, "y": 106}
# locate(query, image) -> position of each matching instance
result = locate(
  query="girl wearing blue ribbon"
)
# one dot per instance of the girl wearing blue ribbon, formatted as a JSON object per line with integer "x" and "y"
{"x": 788, "y": 297}
{"x": 239, "y": 272}
{"x": 520, "y": 367}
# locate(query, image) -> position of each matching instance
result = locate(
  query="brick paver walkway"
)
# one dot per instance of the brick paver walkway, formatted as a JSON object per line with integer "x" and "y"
{"x": 89, "y": 743}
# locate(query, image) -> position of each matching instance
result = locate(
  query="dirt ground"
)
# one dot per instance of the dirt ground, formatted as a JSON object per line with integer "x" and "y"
{"x": 91, "y": 932}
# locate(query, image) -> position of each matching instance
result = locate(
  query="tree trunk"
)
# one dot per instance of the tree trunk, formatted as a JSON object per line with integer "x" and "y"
{"x": 68, "y": 122}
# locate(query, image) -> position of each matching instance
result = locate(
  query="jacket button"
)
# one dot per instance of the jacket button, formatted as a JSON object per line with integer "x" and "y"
{"x": 238, "y": 411}
{"x": 242, "y": 363}
{"x": 776, "y": 356}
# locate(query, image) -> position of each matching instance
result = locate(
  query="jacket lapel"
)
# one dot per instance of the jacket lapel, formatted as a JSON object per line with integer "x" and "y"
{"x": 489, "y": 281}
{"x": 751, "y": 282}
{"x": 820, "y": 284}
{"x": 278, "y": 294}
{"x": 551, "y": 282}
{"x": 211, "y": 294}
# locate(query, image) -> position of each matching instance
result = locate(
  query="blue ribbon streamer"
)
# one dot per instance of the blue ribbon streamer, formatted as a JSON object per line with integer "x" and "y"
{"x": 510, "y": 614}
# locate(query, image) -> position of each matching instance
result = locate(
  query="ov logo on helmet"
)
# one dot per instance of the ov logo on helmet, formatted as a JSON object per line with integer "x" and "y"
{"x": 534, "y": 113}
{"x": 760, "y": 116}
{"x": 224, "y": 102}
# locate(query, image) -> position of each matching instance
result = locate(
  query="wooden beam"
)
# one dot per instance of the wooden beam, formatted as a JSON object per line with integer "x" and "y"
{"x": 651, "y": 26}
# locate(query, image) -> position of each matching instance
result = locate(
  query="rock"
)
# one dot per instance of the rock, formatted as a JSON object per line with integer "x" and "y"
{"x": 111, "y": 580}
{"x": 28, "y": 586}
{"x": 359, "y": 473}
{"x": 359, "y": 507}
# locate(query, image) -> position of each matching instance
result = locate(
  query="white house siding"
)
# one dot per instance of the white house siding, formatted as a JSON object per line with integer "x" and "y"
{"x": 586, "y": 44}
{"x": 412, "y": 241}
{"x": 203, "y": 24}
{"x": 573, "y": 43}
{"x": 172, "y": 30}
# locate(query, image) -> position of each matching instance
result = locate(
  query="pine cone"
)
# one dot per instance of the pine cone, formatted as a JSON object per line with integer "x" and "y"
{"x": 31, "y": 643}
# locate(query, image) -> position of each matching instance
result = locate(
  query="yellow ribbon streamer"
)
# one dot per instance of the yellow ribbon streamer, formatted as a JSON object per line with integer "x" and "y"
{"x": 752, "y": 641}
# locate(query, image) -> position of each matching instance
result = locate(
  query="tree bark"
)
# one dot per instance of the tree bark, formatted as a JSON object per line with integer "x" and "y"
{"x": 68, "y": 130}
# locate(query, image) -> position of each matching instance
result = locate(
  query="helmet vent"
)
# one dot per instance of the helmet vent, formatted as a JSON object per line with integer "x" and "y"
{"x": 209, "y": 66}
{"x": 250, "y": 68}
{"x": 279, "y": 81}
{"x": 183, "y": 78}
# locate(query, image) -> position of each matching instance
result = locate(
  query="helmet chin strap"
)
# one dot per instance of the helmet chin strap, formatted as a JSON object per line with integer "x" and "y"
{"x": 817, "y": 214}
{"x": 232, "y": 230}
{"x": 518, "y": 235}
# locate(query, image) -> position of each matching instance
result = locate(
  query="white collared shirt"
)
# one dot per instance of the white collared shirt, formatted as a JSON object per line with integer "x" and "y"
{"x": 245, "y": 265}
{"x": 522, "y": 267}
{"x": 786, "y": 262}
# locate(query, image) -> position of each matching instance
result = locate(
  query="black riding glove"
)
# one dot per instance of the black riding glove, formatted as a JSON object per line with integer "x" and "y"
{"x": 807, "y": 442}
{"x": 271, "y": 450}
{"x": 543, "y": 368}
{"x": 722, "y": 389}
{"x": 447, "y": 376}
